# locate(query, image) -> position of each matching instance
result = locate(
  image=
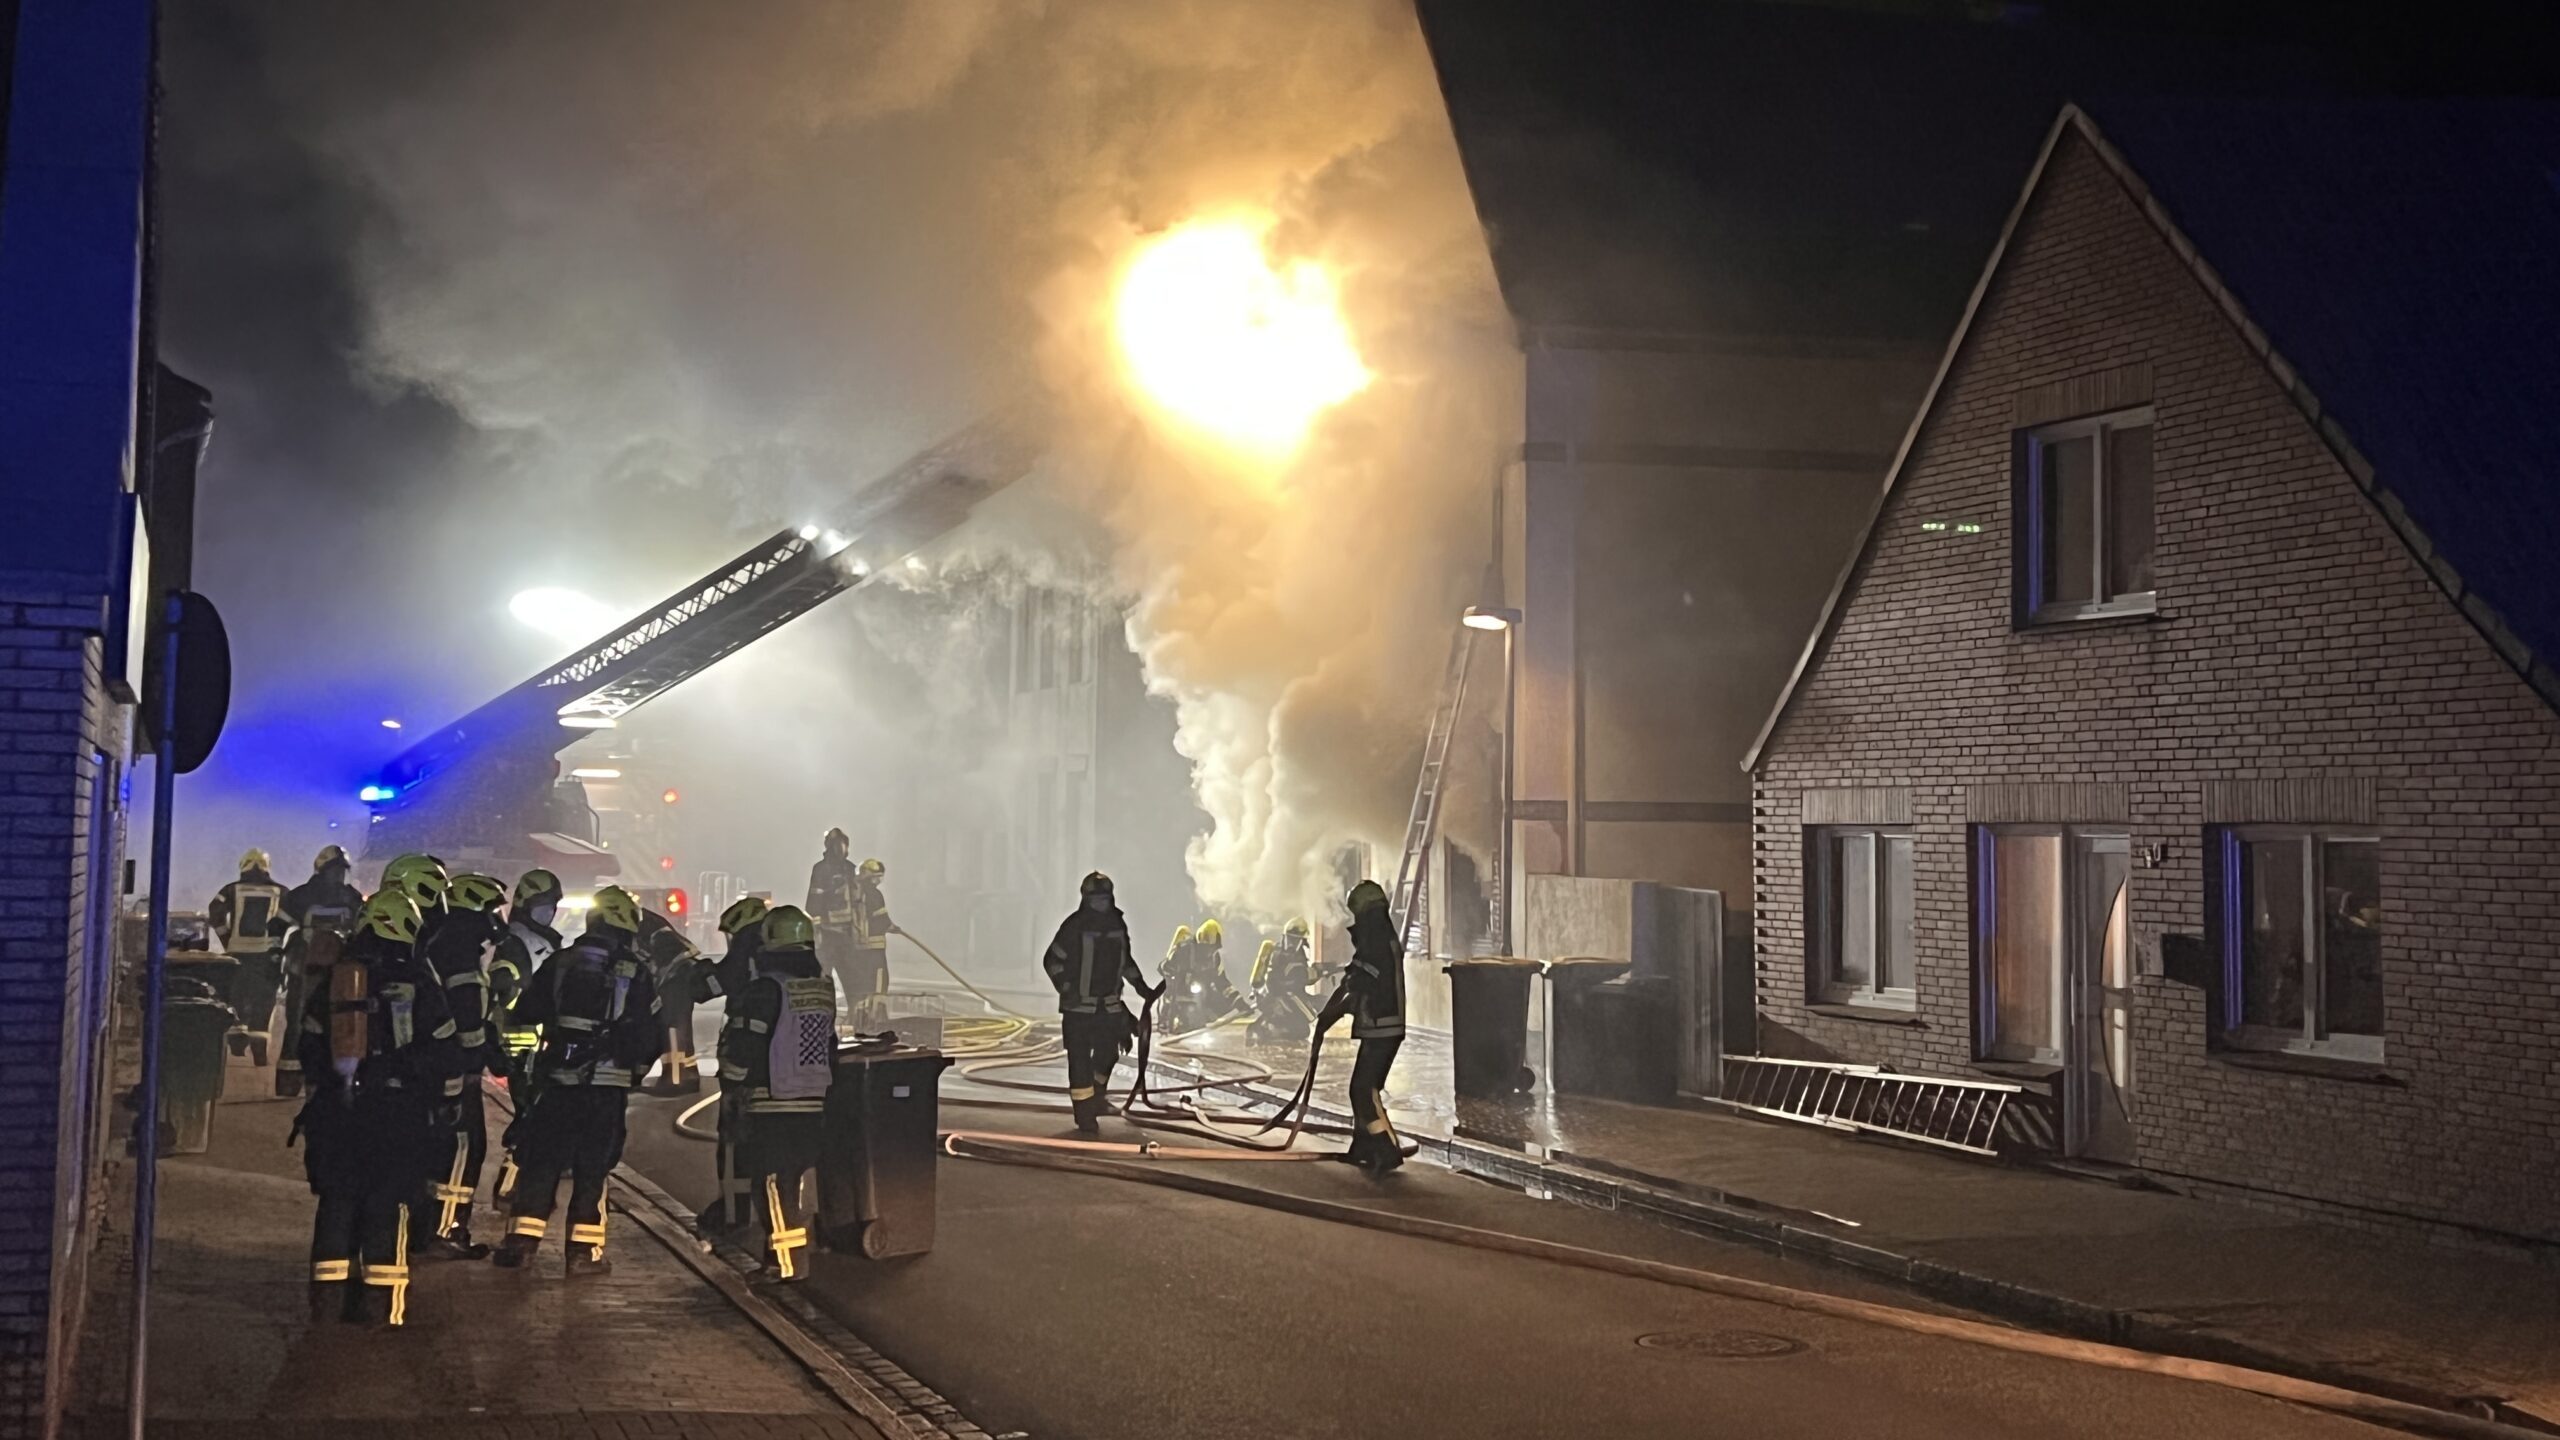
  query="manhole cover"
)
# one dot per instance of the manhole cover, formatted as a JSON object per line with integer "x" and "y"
{"x": 1722, "y": 1344}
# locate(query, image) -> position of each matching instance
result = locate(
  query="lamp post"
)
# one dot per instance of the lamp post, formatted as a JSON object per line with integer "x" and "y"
{"x": 1491, "y": 617}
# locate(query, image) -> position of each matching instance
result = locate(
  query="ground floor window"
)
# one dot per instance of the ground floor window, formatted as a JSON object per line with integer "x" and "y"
{"x": 2302, "y": 940}
{"x": 1865, "y": 941}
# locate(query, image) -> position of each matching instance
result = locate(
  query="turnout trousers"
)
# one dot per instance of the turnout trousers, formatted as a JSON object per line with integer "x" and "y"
{"x": 780, "y": 1148}
{"x": 453, "y": 1176}
{"x": 1376, "y": 1143}
{"x": 1093, "y": 1047}
{"x": 362, "y": 1159}
{"x": 572, "y": 1130}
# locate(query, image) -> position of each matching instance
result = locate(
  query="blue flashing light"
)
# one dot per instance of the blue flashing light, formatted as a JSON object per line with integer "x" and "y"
{"x": 374, "y": 794}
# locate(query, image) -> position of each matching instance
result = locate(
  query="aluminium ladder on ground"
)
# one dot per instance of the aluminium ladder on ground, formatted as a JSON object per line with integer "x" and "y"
{"x": 1412, "y": 900}
{"x": 1934, "y": 1110}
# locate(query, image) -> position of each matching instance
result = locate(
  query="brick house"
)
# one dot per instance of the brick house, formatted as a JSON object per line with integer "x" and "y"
{"x": 2181, "y": 738}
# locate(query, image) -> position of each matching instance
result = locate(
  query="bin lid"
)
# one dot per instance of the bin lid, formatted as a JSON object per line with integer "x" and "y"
{"x": 1456, "y": 961}
{"x": 1588, "y": 960}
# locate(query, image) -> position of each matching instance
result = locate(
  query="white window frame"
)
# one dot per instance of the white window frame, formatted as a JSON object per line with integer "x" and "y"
{"x": 2036, "y": 610}
{"x": 1824, "y": 953}
{"x": 2313, "y": 1036}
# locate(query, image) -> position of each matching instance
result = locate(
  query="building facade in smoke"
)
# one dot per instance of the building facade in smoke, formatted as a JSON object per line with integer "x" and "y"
{"x": 99, "y": 518}
{"x": 2213, "y": 814}
{"x": 1075, "y": 770}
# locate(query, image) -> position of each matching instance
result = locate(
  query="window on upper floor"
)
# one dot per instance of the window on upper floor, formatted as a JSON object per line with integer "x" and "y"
{"x": 2301, "y": 940}
{"x": 2084, "y": 505}
{"x": 1865, "y": 943}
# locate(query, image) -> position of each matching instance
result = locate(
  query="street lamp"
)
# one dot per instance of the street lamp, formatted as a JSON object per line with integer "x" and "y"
{"x": 1495, "y": 617}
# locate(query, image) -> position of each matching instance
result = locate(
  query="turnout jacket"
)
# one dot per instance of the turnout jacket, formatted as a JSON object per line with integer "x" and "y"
{"x": 459, "y": 950}
{"x": 1372, "y": 992}
{"x": 833, "y": 885}
{"x": 597, "y": 1009}
{"x": 729, "y": 975}
{"x": 1090, "y": 960}
{"x": 412, "y": 1047}
{"x": 249, "y": 914}
{"x": 747, "y": 1038}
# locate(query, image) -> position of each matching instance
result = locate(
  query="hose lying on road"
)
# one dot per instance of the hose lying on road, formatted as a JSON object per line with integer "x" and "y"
{"x": 2356, "y": 1404}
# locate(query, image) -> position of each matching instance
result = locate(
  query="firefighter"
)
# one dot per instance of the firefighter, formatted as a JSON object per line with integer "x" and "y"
{"x": 743, "y": 924}
{"x": 460, "y": 953}
{"x": 833, "y": 884}
{"x": 1283, "y": 1014}
{"x": 378, "y": 1046}
{"x": 1372, "y": 994}
{"x": 422, "y": 878}
{"x": 872, "y": 928}
{"x": 528, "y": 942}
{"x": 247, "y": 916}
{"x": 1195, "y": 972}
{"x": 671, "y": 959}
{"x": 323, "y": 904}
{"x": 777, "y": 1051}
{"x": 599, "y": 1017}
{"x": 1088, "y": 962}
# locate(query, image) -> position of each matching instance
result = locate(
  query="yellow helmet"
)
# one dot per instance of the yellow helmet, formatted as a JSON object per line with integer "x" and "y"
{"x": 787, "y": 927}
{"x": 745, "y": 915}
{"x": 1181, "y": 937}
{"x": 615, "y": 910}
{"x": 421, "y": 876}
{"x": 329, "y": 855}
{"x": 1297, "y": 926}
{"x": 1212, "y": 933}
{"x": 874, "y": 869}
{"x": 536, "y": 887}
{"x": 392, "y": 915}
{"x": 1367, "y": 895}
{"x": 253, "y": 860}
{"x": 475, "y": 892}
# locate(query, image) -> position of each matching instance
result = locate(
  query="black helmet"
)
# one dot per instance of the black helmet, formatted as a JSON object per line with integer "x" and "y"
{"x": 1096, "y": 883}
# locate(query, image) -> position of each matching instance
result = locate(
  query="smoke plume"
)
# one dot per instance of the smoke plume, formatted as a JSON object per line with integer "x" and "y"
{"x": 678, "y": 268}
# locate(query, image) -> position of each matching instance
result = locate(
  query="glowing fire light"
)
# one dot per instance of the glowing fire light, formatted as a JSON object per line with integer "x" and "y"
{"x": 1217, "y": 337}
{"x": 562, "y": 614}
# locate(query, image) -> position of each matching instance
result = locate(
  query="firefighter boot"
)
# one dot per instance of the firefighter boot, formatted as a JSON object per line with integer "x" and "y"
{"x": 586, "y": 1253}
{"x": 515, "y": 1250}
{"x": 330, "y": 1282}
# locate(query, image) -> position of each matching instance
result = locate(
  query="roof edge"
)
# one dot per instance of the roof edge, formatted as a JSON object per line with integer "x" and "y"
{"x": 1829, "y": 620}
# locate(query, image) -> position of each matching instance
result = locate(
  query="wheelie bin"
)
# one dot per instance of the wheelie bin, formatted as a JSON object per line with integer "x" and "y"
{"x": 1489, "y": 1025}
{"x": 876, "y": 1172}
{"x": 1615, "y": 1033}
{"x": 193, "y": 1024}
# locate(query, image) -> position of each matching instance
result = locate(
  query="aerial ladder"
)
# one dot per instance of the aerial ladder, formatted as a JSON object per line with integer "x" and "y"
{"x": 490, "y": 780}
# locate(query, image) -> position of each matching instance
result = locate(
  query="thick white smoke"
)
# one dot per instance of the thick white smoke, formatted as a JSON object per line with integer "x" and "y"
{"x": 766, "y": 249}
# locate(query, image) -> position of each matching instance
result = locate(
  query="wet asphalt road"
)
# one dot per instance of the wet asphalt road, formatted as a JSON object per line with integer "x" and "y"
{"x": 1078, "y": 1308}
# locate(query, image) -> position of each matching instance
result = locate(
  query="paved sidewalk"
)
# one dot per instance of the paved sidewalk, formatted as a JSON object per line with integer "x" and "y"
{"x": 2456, "y": 1327}
{"x": 650, "y": 1351}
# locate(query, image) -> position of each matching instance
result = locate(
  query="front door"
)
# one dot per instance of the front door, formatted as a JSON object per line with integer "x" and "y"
{"x": 2097, "y": 1015}
{"x": 2057, "y": 980}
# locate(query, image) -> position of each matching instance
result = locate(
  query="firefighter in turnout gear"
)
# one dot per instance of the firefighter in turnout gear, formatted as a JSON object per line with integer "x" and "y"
{"x": 599, "y": 1017}
{"x": 872, "y": 928}
{"x": 671, "y": 959}
{"x": 247, "y": 916}
{"x": 1283, "y": 1014}
{"x": 460, "y": 951}
{"x": 743, "y": 924}
{"x": 529, "y": 940}
{"x": 323, "y": 904}
{"x": 1195, "y": 977}
{"x": 1372, "y": 994}
{"x": 1088, "y": 963}
{"x": 777, "y": 1052}
{"x": 422, "y": 878}
{"x": 835, "y": 883}
{"x": 378, "y": 1046}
